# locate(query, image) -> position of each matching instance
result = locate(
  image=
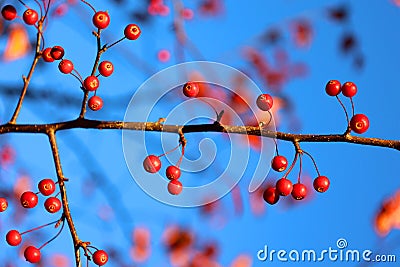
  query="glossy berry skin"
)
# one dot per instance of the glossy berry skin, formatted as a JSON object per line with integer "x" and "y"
{"x": 57, "y": 52}
{"x": 359, "y": 123}
{"x": 191, "y": 89}
{"x": 333, "y": 88}
{"x": 29, "y": 200}
{"x": 95, "y": 103}
{"x": 32, "y": 254}
{"x": 349, "y": 89}
{"x": 100, "y": 257}
{"x": 132, "y": 32}
{"x": 46, "y": 187}
{"x": 152, "y": 164}
{"x": 284, "y": 187}
{"x": 3, "y": 204}
{"x": 9, "y": 12}
{"x": 101, "y": 19}
{"x": 91, "y": 83}
{"x": 13, "y": 238}
{"x": 173, "y": 172}
{"x": 46, "y": 55}
{"x": 299, "y": 191}
{"x": 265, "y": 102}
{"x": 271, "y": 196}
{"x": 321, "y": 184}
{"x": 279, "y": 163}
{"x": 66, "y": 66}
{"x": 30, "y": 16}
{"x": 52, "y": 204}
{"x": 106, "y": 68}
{"x": 174, "y": 187}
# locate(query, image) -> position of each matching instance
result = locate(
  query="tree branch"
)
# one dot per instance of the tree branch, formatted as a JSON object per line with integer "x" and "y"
{"x": 213, "y": 127}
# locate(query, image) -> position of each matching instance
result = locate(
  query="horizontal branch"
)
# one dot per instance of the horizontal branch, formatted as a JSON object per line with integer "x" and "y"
{"x": 213, "y": 127}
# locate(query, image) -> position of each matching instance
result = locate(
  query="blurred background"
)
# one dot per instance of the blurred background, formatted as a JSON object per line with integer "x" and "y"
{"x": 290, "y": 49}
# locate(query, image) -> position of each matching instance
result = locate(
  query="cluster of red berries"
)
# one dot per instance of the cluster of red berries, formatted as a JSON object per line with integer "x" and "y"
{"x": 28, "y": 200}
{"x": 359, "y": 123}
{"x": 30, "y": 16}
{"x": 152, "y": 164}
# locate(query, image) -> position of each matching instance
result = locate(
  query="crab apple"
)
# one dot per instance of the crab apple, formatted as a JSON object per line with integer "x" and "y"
{"x": 333, "y": 88}
{"x": 271, "y": 196}
{"x": 46, "y": 55}
{"x": 101, "y": 19}
{"x": 13, "y": 238}
{"x": 9, "y": 12}
{"x": 46, "y": 187}
{"x": 29, "y": 199}
{"x": 359, "y": 123}
{"x": 32, "y": 254}
{"x": 321, "y": 184}
{"x": 279, "y": 163}
{"x": 284, "y": 187}
{"x": 57, "y": 52}
{"x": 191, "y": 89}
{"x": 95, "y": 103}
{"x": 100, "y": 257}
{"x": 132, "y": 31}
{"x": 174, "y": 187}
{"x": 173, "y": 172}
{"x": 264, "y": 102}
{"x": 3, "y": 204}
{"x": 91, "y": 83}
{"x": 30, "y": 16}
{"x": 52, "y": 204}
{"x": 106, "y": 68}
{"x": 66, "y": 66}
{"x": 299, "y": 191}
{"x": 152, "y": 164}
{"x": 349, "y": 89}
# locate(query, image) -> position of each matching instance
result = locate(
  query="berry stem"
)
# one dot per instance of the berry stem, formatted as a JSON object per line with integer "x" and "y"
{"x": 40, "y": 7}
{"x": 39, "y": 227}
{"x": 88, "y": 4}
{"x": 345, "y": 111}
{"x": 54, "y": 237}
{"x": 296, "y": 155}
{"x": 116, "y": 42}
{"x": 313, "y": 161}
{"x": 352, "y": 106}
{"x": 300, "y": 166}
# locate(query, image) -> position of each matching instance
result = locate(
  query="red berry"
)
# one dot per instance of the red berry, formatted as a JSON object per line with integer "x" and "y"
{"x": 9, "y": 12}
{"x": 321, "y": 184}
{"x": 13, "y": 238}
{"x": 191, "y": 89}
{"x": 3, "y": 204}
{"x": 57, "y": 52}
{"x": 29, "y": 200}
{"x": 284, "y": 187}
{"x": 52, "y": 204}
{"x": 100, "y": 257}
{"x": 173, "y": 172}
{"x": 299, "y": 191}
{"x": 46, "y": 187}
{"x": 163, "y": 55}
{"x": 187, "y": 13}
{"x": 91, "y": 83}
{"x": 279, "y": 163}
{"x": 359, "y": 123}
{"x": 349, "y": 89}
{"x": 101, "y": 19}
{"x": 30, "y": 16}
{"x": 264, "y": 102}
{"x": 174, "y": 187}
{"x": 132, "y": 31}
{"x": 32, "y": 254}
{"x": 152, "y": 164}
{"x": 271, "y": 196}
{"x": 106, "y": 68}
{"x": 95, "y": 103}
{"x": 66, "y": 66}
{"x": 46, "y": 55}
{"x": 333, "y": 88}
